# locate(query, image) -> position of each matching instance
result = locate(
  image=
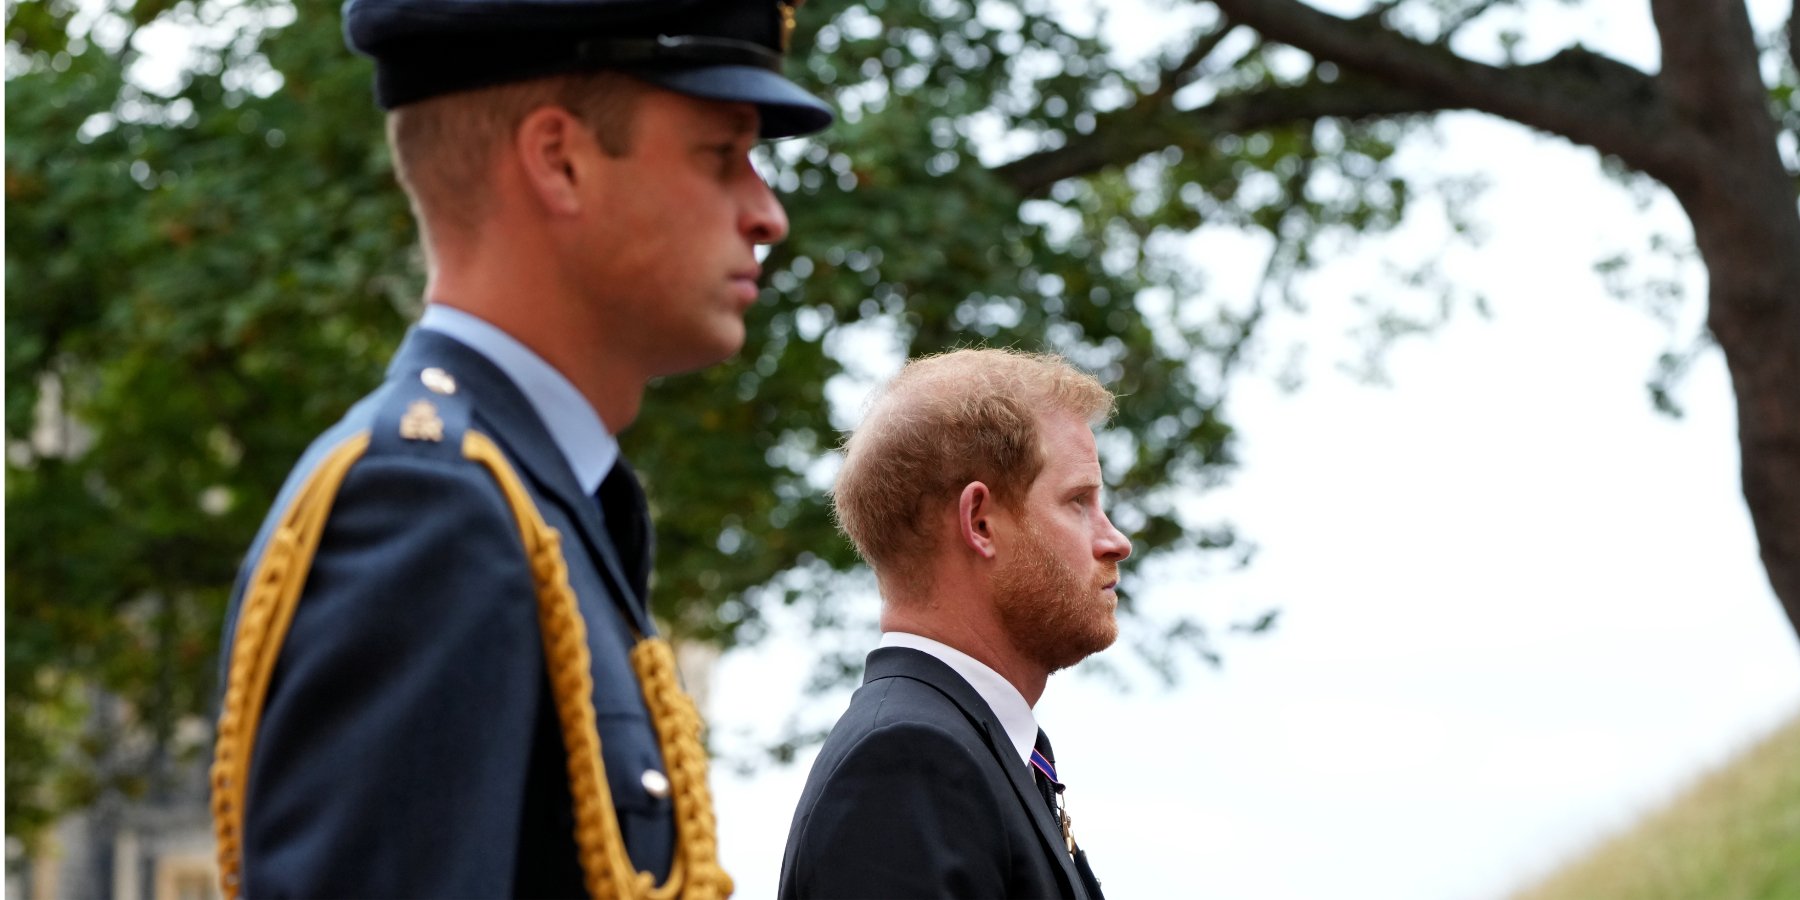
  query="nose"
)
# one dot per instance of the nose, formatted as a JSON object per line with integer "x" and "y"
{"x": 1111, "y": 545}
{"x": 762, "y": 220}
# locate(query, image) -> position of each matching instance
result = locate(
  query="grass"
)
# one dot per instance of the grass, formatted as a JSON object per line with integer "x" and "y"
{"x": 1735, "y": 835}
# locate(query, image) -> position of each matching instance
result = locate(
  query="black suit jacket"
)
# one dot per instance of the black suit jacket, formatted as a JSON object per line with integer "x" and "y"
{"x": 919, "y": 793}
{"x": 409, "y": 746}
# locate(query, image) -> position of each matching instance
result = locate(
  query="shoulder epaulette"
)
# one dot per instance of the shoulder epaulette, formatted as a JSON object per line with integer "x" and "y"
{"x": 422, "y": 414}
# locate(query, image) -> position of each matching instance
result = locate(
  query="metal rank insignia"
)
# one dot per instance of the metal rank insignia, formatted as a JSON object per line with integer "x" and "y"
{"x": 422, "y": 422}
{"x": 438, "y": 381}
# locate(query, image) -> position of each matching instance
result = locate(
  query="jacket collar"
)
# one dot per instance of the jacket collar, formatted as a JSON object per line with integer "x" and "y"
{"x": 509, "y": 419}
{"x": 905, "y": 662}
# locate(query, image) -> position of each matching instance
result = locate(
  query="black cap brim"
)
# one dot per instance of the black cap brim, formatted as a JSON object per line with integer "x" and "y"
{"x": 786, "y": 109}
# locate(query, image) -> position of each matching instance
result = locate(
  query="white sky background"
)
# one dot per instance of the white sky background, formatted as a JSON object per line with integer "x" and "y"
{"x": 1519, "y": 607}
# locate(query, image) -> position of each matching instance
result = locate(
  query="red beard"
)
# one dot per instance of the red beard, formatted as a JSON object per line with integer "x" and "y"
{"x": 1055, "y": 616}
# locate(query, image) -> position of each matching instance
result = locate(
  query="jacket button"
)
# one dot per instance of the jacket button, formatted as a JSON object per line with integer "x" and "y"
{"x": 655, "y": 784}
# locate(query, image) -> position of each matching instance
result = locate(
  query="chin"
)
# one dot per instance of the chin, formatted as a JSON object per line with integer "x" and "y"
{"x": 728, "y": 338}
{"x": 1077, "y": 645}
{"x": 1105, "y": 636}
{"x": 709, "y": 350}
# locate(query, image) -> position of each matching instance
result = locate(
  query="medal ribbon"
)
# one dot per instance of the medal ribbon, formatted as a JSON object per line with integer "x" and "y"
{"x": 1047, "y": 768}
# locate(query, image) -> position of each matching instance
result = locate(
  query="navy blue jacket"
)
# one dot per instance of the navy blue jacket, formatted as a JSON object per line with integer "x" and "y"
{"x": 409, "y": 745}
{"x": 918, "y": 792}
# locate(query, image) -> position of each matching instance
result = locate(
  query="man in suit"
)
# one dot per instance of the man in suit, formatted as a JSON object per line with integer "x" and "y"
{"x": 973, "y": 490}
{"x": 433, "y": 655}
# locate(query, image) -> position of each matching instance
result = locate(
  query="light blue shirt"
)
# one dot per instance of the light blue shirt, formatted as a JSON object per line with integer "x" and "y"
{"x": 573, "y": 424}
{"x": 1008, "y": 704}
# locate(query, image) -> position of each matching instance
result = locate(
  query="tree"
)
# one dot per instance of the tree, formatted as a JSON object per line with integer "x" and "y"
{"x": 1705, "y": 126}
{"x": 206, "y": 267}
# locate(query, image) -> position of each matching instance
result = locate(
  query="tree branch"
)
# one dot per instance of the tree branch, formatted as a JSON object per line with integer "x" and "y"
{"x": 1179, "y": 75}
{"x": 1583, "y": 96}
{"x": 1121, "y": 136}
{"x": 1460, "y": 21}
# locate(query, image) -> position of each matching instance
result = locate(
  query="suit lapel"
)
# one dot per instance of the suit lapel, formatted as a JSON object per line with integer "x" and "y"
{"x": 904, "y": 662}
{"x": 513, "y": 423}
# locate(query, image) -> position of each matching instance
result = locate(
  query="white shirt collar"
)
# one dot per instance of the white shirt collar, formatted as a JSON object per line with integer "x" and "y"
{"x": 573, "y": 424}
{"x": 1008, "y": 704}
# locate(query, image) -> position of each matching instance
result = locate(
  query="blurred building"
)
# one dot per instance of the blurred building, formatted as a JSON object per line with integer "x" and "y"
{"x": 122, "y": 849}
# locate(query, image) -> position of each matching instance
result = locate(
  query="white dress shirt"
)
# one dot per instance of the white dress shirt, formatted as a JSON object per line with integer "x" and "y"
{"x": 1008, "y": 704}
{"x": 576, "y": 428}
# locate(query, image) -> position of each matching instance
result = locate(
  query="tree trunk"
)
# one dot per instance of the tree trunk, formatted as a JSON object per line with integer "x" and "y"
{"x": 1741, "y": 200}
{"x": 1702, "y": 126}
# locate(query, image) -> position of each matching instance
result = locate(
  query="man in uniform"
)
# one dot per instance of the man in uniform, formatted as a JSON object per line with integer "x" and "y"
{"x": 433, "y": 683}
{"x": 972, "y": 489}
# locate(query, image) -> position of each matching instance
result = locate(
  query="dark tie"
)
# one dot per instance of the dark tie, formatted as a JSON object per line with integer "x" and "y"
{"x": 1046, "y": 783}
{"x": 627, "y": 518}
{"x": 1043, "y": 766}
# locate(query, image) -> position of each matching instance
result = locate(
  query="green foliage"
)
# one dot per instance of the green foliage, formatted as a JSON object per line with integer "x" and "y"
{"x": 196, "y": 284}
{"x": 202, "y": 275}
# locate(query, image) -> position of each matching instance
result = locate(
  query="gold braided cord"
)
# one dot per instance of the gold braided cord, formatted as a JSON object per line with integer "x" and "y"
{"x": 262, "y": 626}
{"x": 695, "y": 873}
{"x": 678, "y": 728}
{"x": 268, "y": 610}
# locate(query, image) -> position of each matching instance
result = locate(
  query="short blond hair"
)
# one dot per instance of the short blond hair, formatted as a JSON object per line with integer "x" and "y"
{"x": 444, "y": 146}
{"x": 943, "y": 422}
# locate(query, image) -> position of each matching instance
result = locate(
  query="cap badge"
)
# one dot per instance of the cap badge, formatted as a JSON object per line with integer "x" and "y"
{"x": 787, "y": 8}
{"x": 421, "y": 422}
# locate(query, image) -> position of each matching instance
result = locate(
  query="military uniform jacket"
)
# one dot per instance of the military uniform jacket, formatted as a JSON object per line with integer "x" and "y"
{"x": 919, "y": 793}
{"x": 409, "y": 745}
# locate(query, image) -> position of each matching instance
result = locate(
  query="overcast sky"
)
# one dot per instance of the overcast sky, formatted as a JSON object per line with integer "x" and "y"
{"x": 1519, "y": 607}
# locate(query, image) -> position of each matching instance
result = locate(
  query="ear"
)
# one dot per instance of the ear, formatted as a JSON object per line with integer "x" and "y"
{"x": 974, "y": 519}
{"x": 553, "y": 149}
